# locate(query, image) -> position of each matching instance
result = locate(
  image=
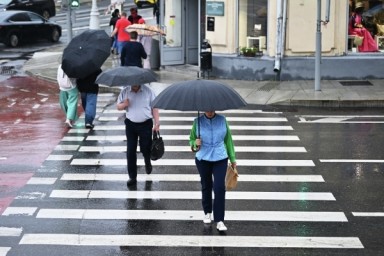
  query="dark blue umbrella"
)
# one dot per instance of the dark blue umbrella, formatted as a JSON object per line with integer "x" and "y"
{"x": 86, "y": 53}
{"x": 199, "y": 95}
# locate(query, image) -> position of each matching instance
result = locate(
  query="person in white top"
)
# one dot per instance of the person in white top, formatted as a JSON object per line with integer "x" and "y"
{"x": 141, "y": 120}
{"x": 69, "y": 97}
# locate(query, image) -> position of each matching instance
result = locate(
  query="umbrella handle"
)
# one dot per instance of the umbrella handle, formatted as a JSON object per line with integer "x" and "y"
{"x": 195, "y": 149}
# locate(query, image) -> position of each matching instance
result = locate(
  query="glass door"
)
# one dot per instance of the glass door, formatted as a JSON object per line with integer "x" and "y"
{"x": 172, "y": 22}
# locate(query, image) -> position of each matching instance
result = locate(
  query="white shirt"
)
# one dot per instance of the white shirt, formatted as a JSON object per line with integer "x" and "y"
{"x": 139, "y": 109}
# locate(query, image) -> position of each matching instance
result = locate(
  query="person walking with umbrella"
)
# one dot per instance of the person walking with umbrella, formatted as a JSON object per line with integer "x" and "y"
{"x": 89, "y": 89}
{"x": 211, "y": 139}
{"x": 69, "y": 96}
{"x": 141, "y": 119}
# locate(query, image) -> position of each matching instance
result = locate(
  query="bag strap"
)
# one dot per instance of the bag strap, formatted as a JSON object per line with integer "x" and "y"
{"x": 156, "y": 134}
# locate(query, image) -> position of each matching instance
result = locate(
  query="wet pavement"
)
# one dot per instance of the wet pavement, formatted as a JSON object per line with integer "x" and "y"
{"x": 289, "y": 93}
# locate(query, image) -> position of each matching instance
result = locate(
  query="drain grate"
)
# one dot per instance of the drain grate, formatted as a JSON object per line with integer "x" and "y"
{"x": 269, "y": 86}
{"x": 356, "y": 83}
{"x": 7, "y": 70}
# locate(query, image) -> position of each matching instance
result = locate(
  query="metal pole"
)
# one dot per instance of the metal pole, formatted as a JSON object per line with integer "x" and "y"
{"x": 94, "y": 22}
{"x": 318, "y": 48}
{"x": 69, "y": 21}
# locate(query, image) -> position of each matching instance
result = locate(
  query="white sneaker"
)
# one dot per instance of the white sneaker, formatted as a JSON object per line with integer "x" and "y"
{"x": 68, "y": 123}
{"x": 207, "y": 218}
{"x": 221, "y": 227}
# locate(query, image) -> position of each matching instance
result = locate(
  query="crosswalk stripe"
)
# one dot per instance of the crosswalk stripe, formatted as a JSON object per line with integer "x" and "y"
{"x": 188, "y": 149}
{"x": 351, "y": 160}
{"x": 190, "y": 119}
{"x": 189, "y": 177}
{"x": 368, "y": 214}
{"x": 192, "y": 241}
{"x": 67, "y": 147}
{"x": 24, "y": 211}
{"x": 6, "y": 231}
{"x": 186, "y": 137}
{"x": 191, "y": 162}
{"x": 59, "y": 157}
{"x": 231, "y": 195}
{"x": 189, "y": 127}
{"x": 41, "y": 181}
{"x": 72, "y": 138}
{"x": 4, "y": 250}
{"x": 194, "y": 113}
{"x": 96, "y": 214}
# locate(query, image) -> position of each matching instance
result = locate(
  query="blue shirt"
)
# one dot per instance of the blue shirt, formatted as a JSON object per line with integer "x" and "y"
{"x": 215, "y": 138}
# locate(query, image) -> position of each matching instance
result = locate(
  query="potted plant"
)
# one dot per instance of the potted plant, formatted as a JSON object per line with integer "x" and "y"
{"x": 248, "y": 51}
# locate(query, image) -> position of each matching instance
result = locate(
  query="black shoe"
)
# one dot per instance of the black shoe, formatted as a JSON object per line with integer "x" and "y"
{"x": 89, "y": 126}
{"x": 148, "y": 167}
{"x": 131, "y": 182}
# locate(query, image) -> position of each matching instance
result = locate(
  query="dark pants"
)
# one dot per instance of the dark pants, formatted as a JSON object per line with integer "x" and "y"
{"x": 135, "y": 131}
{"x": 218, "y": 170}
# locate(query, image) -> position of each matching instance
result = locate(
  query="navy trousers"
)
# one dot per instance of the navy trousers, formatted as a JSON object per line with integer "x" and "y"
{"x": 212, "y": 176}
{"x": 135, "y": 132}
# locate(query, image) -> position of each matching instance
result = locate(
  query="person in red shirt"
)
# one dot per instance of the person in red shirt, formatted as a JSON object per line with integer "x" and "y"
{"x": 134, "y": 17}
{"x": 122, "y": 35}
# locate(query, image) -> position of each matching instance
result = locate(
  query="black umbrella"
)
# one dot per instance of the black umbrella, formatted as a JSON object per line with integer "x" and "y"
{"x": 199, "y": 95}
{"x": 86, "y": 53}
{"x": 123, "y": 75}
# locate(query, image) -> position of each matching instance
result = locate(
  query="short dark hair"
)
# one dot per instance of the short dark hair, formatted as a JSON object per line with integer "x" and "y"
{"x": 133, "y": 9}
{"x": 133, "y": 35}
{"x": 124, "y": 14}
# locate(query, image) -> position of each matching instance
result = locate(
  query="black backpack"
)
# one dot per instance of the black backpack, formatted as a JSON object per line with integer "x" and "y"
{"x": 157, "y": 148}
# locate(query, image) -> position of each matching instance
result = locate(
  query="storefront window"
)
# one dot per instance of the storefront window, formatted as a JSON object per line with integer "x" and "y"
{"x": 252, "y": 26}
{"x": 366, "y": 26}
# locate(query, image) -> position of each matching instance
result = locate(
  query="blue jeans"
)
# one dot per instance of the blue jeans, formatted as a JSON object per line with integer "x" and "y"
{"x": 120, "y": 45}
{"x": 218, "y": 170}
{"x": 89, "y": 101}
{"x": 135, "y": 131}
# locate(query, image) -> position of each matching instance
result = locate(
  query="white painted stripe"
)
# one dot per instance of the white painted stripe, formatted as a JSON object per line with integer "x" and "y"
{"x": 41, "y": 181}
{"x": 95, "y": 214}
{"x": 67, "y": 147}
{"x": 231, "y": 195}
{"x": 351, "y": 160}
{"x": 189, "y": 177}
{"x": 6, "y": 231}
{"x": 368, "y": 214}
{"x": 79, "y": 130}
{"x": 59, "y": 157}
{"x": 186, "y": 137}
{"x": 4, "y": 250}
{"x": 192, "y": 241}
{"x": 194, "y": 113}
{"x": 190, "y": 119}
{"x": 106, "y": 94}
{"x": 189, "y": 127}
{"x": 108, "y": 118}
{"x": 25, "y": 211}
{"x": 36, "y": 106}
{"x": 188, "y": 149}
{"x": 72, "y": 138}
{"x": 191, "y": 162}
{"x": 31, "y": 195}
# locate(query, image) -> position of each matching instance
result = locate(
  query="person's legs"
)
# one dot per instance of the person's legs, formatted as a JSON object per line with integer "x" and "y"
{"x": 219, "y": 172}
{"x": 63, "y": 98}
{"x": 132, "y": 136}
{"x": 90, "y": 107}
{"x": 145, "y": 135}
{"x": 205, "y": 171}
{"x": 73, "y": 97}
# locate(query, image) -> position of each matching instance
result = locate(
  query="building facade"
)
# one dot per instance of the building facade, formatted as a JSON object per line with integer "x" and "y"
{"x": 276, "y": 39}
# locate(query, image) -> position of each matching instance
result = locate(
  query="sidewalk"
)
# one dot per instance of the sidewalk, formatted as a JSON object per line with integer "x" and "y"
{"x": 289, "y": 93}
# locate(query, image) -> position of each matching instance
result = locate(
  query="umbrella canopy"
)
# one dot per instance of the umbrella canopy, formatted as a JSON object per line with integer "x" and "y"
{"x": 86, "y": 53}
{"x": 124, "y": 75}
{"x": 144, "y": 29}
{"x": 199, "y": 95}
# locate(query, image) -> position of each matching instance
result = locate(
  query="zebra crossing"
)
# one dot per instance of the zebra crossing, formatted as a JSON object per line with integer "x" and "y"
{"x": 78, "y": 202}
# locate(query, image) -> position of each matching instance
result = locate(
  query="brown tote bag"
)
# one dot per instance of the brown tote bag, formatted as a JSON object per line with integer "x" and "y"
{"x": 231, "y": 178}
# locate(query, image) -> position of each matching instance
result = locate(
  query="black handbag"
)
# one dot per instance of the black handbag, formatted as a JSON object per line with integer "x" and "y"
{"x": 157, "y": 147}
